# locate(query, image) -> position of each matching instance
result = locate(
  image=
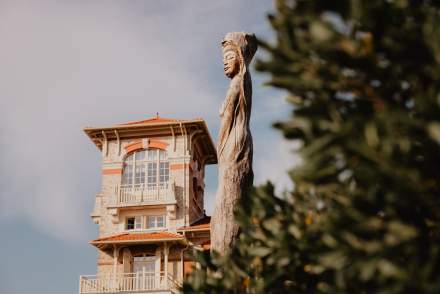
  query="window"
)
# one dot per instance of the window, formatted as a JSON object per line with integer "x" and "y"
{"x": 146, "y": 168}
{"x": 134, "y": 223}
{"x": 152, "y": 175}
{"x": 144, "y": 264}
{"x": 127, "y": 176}
{"x": 164, "y": 174}
{"x": 156, "y": 221}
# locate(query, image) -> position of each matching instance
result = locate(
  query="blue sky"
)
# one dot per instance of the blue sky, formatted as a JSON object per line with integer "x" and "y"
{"x": 66, "y": 65}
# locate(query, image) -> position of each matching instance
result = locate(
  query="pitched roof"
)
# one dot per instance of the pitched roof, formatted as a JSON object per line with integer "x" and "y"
{"x": 154, "y": 120}
{"x": 138, "y": 237}
{"x": 155, "y": 126}
{"x": 202, "y": 224}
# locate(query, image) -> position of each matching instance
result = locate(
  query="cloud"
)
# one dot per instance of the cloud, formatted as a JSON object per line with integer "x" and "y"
{"x": 63, "y": 68}
{"x": 69, "y": 64}
{"x": 274, "y": 156}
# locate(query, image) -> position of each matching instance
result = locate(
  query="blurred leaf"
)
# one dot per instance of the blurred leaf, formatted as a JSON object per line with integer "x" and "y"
{"x": 362, "y": 79}
{"x": 434, "y": 131}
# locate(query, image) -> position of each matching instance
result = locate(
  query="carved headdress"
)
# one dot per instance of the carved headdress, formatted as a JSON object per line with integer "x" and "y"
{"x": 244, "y": 44}
{"x": 237, "y": 116}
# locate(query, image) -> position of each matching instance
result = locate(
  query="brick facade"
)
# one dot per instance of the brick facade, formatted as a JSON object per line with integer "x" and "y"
{"x": 188, "y": 148}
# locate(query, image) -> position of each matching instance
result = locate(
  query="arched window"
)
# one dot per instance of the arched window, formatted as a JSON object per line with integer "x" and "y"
{"x": 146, "y": 168}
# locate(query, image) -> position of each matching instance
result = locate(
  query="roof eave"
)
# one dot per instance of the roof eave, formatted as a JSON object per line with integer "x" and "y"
{"x": 94, "y": 243}
{"x": 148, "y": 124}
{"x": 213, "y": 158}
{"x": 193, "y": 229}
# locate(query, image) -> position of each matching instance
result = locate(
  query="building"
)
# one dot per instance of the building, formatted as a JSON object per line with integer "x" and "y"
{"x": 150, "y": 210}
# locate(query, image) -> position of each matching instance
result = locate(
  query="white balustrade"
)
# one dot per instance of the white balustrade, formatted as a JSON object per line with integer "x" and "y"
{"x": 143, "y": 194}
{"x": 127, "y": 282}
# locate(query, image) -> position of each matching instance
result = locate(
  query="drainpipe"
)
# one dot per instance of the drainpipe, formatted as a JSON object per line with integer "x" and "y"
{"x": 174, "y": 138}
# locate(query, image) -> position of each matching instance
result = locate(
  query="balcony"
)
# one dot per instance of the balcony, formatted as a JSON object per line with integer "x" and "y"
{"x": 141, "y": 282}
{"x": 143, "y": 194}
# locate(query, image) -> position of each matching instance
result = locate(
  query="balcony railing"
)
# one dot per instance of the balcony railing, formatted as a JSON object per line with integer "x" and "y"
{"x": 143, "y": 194}
{"x": 127, "y": 283}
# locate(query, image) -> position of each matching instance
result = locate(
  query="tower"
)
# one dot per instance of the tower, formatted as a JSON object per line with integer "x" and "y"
{"x": 150, "y": 209}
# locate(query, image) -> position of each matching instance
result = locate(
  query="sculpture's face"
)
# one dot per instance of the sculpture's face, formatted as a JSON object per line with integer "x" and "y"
{"x": 231, "y": 63}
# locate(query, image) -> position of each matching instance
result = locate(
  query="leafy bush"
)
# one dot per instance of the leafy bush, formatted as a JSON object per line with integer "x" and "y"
{"x": 363, "y": 78}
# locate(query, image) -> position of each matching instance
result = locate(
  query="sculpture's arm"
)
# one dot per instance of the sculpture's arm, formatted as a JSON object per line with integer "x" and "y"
{"x": 227, "y": 114}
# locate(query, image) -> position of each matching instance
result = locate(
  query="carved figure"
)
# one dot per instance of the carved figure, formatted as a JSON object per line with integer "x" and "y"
{"x": 234, "y": 148}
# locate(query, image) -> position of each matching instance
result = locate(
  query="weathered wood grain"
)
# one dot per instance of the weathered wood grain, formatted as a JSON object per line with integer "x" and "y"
{"x": 234, "y": 148}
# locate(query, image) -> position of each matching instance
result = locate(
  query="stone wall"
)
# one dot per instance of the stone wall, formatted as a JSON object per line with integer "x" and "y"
{"x": 111, "y": 220}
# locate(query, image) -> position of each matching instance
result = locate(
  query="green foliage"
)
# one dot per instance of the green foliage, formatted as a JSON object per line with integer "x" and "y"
{"x": 363, "y": 78}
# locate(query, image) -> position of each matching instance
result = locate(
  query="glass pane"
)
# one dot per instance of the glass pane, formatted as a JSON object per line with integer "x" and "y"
{"x": 152, "y": 154}
{"x": 149, "y": 266}
{"x": 151, "y": 221}
{"x": 140, "y": 155}
{"x": 129, "y": 158}
{"x": 138, "y": 222}
{"x": 130, "y": 223}
{"x": 151, "y": 174}
{"x": 164, "y": 174}
{"x": 146, "y": 264}
{"x": 127, "y": 176}
{"x": 139, "y": 177}
{"x": 160, "y": 221}
{"x": 162, "y": 155}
